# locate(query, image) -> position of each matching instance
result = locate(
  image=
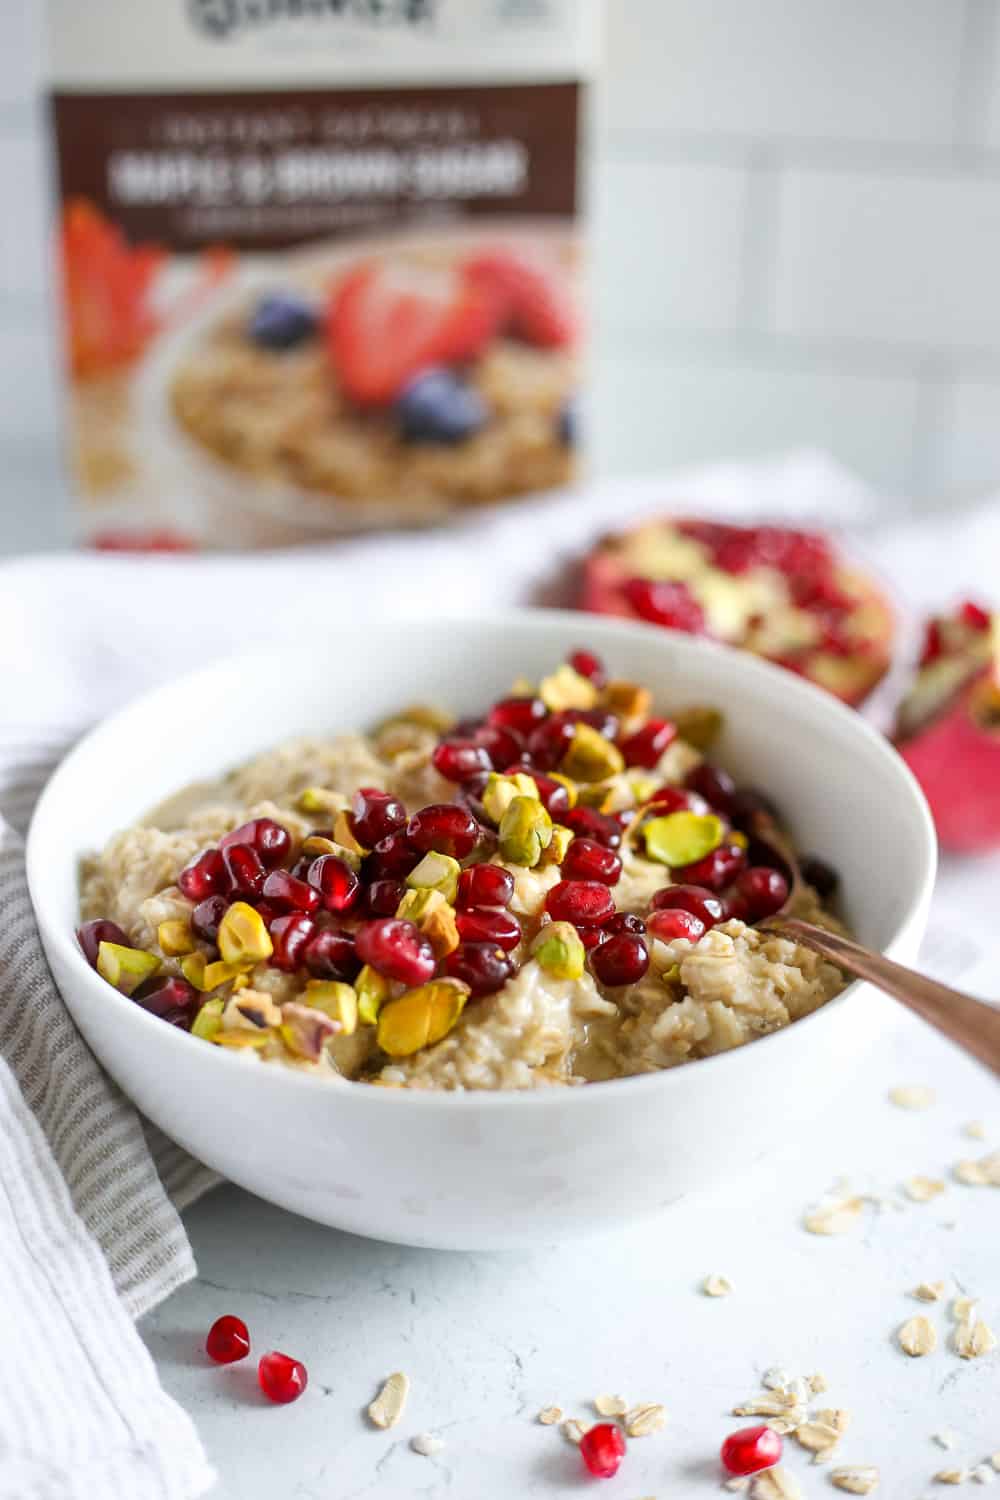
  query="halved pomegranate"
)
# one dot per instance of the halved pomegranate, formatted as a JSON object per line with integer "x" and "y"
{"x": 948, "y": 727}
{"x": 784, "y": 594}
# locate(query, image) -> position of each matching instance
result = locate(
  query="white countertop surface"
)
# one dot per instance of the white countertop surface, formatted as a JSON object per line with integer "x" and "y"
{"x": 487, "y": 1340}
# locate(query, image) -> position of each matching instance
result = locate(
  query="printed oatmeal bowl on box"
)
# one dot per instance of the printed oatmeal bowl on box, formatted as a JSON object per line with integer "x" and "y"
{"x": 478, "y": 1167}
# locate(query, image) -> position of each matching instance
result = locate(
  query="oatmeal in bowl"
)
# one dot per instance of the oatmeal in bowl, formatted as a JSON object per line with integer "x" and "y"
{"x": 564, "y": 889}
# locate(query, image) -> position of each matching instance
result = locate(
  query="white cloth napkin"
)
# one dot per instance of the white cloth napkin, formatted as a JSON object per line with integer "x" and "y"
{"x": 89, "y": 1195}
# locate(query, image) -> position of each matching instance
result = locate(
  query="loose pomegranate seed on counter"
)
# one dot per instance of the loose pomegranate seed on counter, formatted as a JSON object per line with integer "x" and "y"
{"x": 206, "y": 917}
{"x": 487, "y": 925}
{"x": 244, "y": 870}
{"x": 602, "y": 1449}
{"x": 290, "y": 936}
{"x": 588, "y": 665}
{"x": 330, "y": 955}
{"x": 281, "y": 1378}
{"x": 170, "y": 999}
{"x": 670, "y": 604}
{"x": 750, "y": 1450}
{"x": 693, "y": 898}
{"x": 91, "y": 935}
{"x": 288, "y": 893}
{"x": 484, "y": 967}
{"x": 592, "y": 937}
{"x": 269, "y": 841}
{"x": 204, "y": 876}
{"x": 228, "y": 1340}
{"x": 519, "y": 714}
{"x": 444, "y": 827}
{"x": 587, "y": 823}
{"x": 717, "y": 870}
{"x": 623, "y": 959}
{"x": 675, "y": 922}
{"x": 375, "y": 815}
{"x": 585, "y": 859}
{"x": 396, "y": 949}
{"x": 583, "y": 902}
{"x": 645, "y": 747}
{"x": 484, "y": 885}
{"x": 391, "y": 859}
{"x": 714, "y": 784}
{"x": 457, "y": 760}
{"x": 382, "y": 897}
{"x": 336, "y": 882}
{"x": 625, "y": 921}
{"x": 764, "y": 890}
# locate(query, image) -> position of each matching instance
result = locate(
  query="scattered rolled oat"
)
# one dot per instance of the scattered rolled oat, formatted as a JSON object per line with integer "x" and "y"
{"x": 944, "y": 1439}
{"x": 647, "y": 1417}
{"x": 550, "y": 1415}
{"x": 856, "y": 1480}
{"x": 974, "y": 1338}
{"x": 917, "y": 1336}
{"x": 775, "y": 1379}
{"x": 610, "y": 1406}
{"x": 963, "y": 1308}
{"x": 426, "y": 1443}
{"x": 975, "y": 1130}
{"x": 837, "y": 1217}
{"x": 573, "y": 1430}
{"x": 950, "y": 1476}
{"x": 923, "y": 1189}
{"x": 387, "y": 1408}
{"x": 818, "y": 1437}
{"x": 716, "y": 1286}
{"x": 767, "y": 1406}
{"x": 776, "y": 1484}
{"x": 969, "y": 1172}
{"x": 929, "y": 1291}
{"x": 738, "y": 1483}
{"x": 995, "y": 1461}
{"x": 784, "y": 1425}
{"x": 983, "y": 1474}
{"x": 912, "y": 1096}
{"x": 817, "y": 1384}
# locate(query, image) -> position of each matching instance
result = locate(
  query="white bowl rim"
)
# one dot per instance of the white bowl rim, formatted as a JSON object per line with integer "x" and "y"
{"x": 475, "y": 1099}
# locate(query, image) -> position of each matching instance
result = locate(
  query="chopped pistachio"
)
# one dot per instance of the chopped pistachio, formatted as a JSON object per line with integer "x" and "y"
{"x": 739, "y": 838}
{"x": 243, "y": 938}
{"x": 601, "y": 796}
{"x": 642, "y": 787}
{"x": 318, "y": 799}
{"x": 522, "y": 687}
{"x": 436, "y": 872}
{"x": 566, "y": 688}
{"x": 253, "y": 1010}
{"x": 424, "y": 715}
{"x": 681, "y": 838}
{"x": 175, "y": 937}
{"x": 306, "y": 1029}
{"x": 590, "y": 756}
{"x": 572, "y": 791}
{"x": 559, "y": 950}
{"x": 421, "y": 1017}
{"x": 123, "y": 967}
{"x": 193, "y": 969}
{"x": 344, "y": 834}
{"x": 318, "y": 843}
{"x": 373, "y": 990}
{"x": 428, "y": 910}
{"x": 219, "y": 973}
{"x": 525, "y": 830}
{"x": 208, "y": 1022}
{"x": 252, "y": 1040}
{"x": 500, "y": 792}
{"x": 698, "y": 725}
{"x": 418, "y": 903}
{"x": 629, "y": 702}
{"x": 336, "y": 1000}
{"x": 555, "y": 852}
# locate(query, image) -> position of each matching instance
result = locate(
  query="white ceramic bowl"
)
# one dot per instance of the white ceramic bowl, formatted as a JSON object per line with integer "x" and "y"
{"x": 486, "y": 1170}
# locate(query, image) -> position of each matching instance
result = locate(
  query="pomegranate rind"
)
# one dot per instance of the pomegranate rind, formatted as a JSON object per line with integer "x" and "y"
{"x": 956, "y": 759}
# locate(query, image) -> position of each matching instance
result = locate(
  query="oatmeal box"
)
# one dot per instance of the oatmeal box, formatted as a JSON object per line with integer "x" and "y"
{"x": 319, "y": 260}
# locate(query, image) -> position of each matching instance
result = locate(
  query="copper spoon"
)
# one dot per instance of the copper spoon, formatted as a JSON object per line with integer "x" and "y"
{"x": 972, "y": 1024}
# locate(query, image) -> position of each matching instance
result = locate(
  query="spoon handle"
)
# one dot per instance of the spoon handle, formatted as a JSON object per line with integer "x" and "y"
{"x": 972, "y": 1024}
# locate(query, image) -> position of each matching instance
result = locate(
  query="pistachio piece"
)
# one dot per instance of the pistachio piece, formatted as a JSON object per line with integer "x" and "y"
{"x": 700, "y": 726}
{"x": 525, "y": 830}
{"x": 175, "y": 937}
{"x": 336, "y": 1000}
{"x": 208, "y": 1022}
{"x": 123, "y": 967}
{"x": 681, "y": 838}
{"x": 739, "y": 838}
{"x": 436, "y": 872}
{"x": 642, "y": 787}
{"x": 243, "y": 937}
{"x": 629, "y": 702}
{"x": 428, "y": 910}
{"x": 500, "y": 792}
{"x": 559, "y": 950}
{"x": 565, "y": 688}
{"x": 572, "y": 791}
{"x": 305, "y": 1029}
{"x": 253, "y": 1010}
{"x": 372, "y": 990}
{"x": 421, "y": 1017}
{"x": 317, "y": 844}
{"x": 343, "y": 834}
{"x": 424, "y": 715}
{"x": 590, "y": 756}
{"x": 555, "y": 852}
{"x": 318, "y": 799}
{"x": 193, "y": 968}
{"x": 219, "y": 973}
{"x": 600, "y": 795}
{"x": 253, "y": 1041}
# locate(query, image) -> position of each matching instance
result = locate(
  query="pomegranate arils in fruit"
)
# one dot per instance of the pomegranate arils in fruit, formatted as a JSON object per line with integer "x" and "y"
{"x": 670, "y": 604}
{"x": 457, "y": 760}
{"x": 625, "y": 921}
{"x": 602, "y": 1449}
{"x": 750, "y": 1450}
{"x": 206, "y": 917}
{"x": 92, "y": 934}
{"x": 269, "y": 841}
{"x": 975, "y": 616}
{"x": 228, "y": 1340}
{"x": 623, "y": 959}
{"x": 391, "y": 859}
{"x": 484, "y": 967}
{"x": 519, "y": 714}
{"x": 281, "y": 1378}
{"x": 484, "y": 885}
{"x": 288, "y": 893}
{"x": 693, "y": 898}
{"x": 587, "y": 823}
{"x": 822, "y": 877}
{"x": 764, "y": 891}
{"x": 444, "y": 827}
{"x": 718, "y": 869}
{"x": 489, "y": 926}
{"x": 590, "y": 666}
{"x": 582, "y": 902}
{"x": 645, "y": 747}
{"x": 336, "y": 883}
{"x": 330, "y": 955}
{"x": 382, "y": 897}
{"x": 675, "y": 922}
{"x": 585, "y": 859}
{"x": 204, "y": 876}
{"x": 396, "y": 949}
{"x": 244, "y": 870}
{"x": 375, "y": 815}
{"x": 290, "y": 936}
{"x": 714, "y": 784}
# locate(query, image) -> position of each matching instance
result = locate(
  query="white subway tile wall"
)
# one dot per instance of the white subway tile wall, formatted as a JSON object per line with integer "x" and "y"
{"x": 797, "y": 230}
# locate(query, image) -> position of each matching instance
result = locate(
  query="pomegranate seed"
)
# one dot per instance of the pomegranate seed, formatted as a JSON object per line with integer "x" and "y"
{"x": 244, "y": 870}
{"x": 92, "y": 934}
{"x": 588, "y": 665}
{"x": 288, "y": 893}
{"x": 396, "y": 949}
{"x": 587, "y": 823}
{"x": 484, "y": 885}
{"x": 714, "y": 784}
{"x": 171, "y": 999}
{"x": 548, "y": 743}
{"x": 736, "y": 555}
{"x": 280, "y": 1377}
{"x": 374, "y": 815}
{"x": 675, "y": 799}
{"x": 336, "y": 882}
{"x": 822, "y": 877}
{"x": 601, "y": 719}
{"x": 585, "y": 859}
{"x": 593, "y": 937}
{"x": 553, "y": 796}
{"x": 391, "y": 859}
{"x": 204, "y": 876}
{"x": 751, "y": 1449}
{"x": 602, "y": 1449}
{"x": 623, "y": 959}
{"x": 519, "y": 714}
{"x": 645, "y": 747}
{"x": 674, "y": 922}
{"x": 228, "y": 1340}
{"x": 290, "y": 936}
{"x": 331, "y": 955}
{"x": 670, "y": 604}
{"x": 975, "y": 616}
{"x": 444, "y": 827}
{"x": 746, "y": 803}
{"x": 382, "y": 897}
{"x": 764, "y": 891}
{"x": 933, "y": 645}
{"x": 692, "y": 898}
{"x": 502, "y": 745}
{"x": 457, "y": 760}
{"x": 269, "y": 841}
{"x": 583, "y": 902}
{"x": 716, "y": 870}
{"x": 268, "y": 912}
{"x": 484, "y": 967}
{"x": 625, "y": 921}
{"x": 489, "y": 926}
{"x": 206, "y": 917}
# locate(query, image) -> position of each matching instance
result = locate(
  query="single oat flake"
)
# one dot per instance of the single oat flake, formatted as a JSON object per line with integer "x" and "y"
{"x": 923, "y": 1189}
{"x": 856, "y": 1480}
{"x": 912, "y": 1096}
{"x": 573, "y": 1430}
{"x": 716, "y": 1286}
{"x": 950, "y": 1476}
{"x": 983, "y": 1474}
{"x": 818, "y": 1437}
{"x": 944, "y": 1439}
{"x": 929, "y": 1291}
{"x": 387, "y": 1408}
{"x": 975, "y": 1130}
{"x": 777, "y": 1405}
{"x": 817, "y": 1384}
{"x": 775, "y": 1379}
{"x": 550, "y": 1415}
{"x": 610, "y": 1406}
{"x": 645, "y": 1418}
{"x": 974, "y": 1338}
{"x": 427, "y": 1444}
{"x": 917, "y": 1337}
{"x": 738, "y": 1484}
{"x": 834, "y": 1218}
{"x": 776, "y": 1484}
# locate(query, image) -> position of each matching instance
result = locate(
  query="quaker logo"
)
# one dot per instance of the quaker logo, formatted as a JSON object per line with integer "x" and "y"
{"x": 223, "y": 19}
